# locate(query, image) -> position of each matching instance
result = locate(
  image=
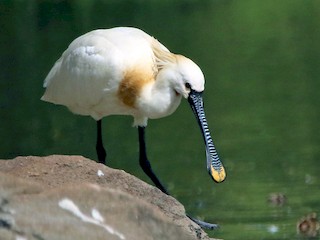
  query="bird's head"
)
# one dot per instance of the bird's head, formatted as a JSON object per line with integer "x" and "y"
{"x": 190, "y": 84}
{"x": 189, "y": 77}
{"x": 187, "y": 80}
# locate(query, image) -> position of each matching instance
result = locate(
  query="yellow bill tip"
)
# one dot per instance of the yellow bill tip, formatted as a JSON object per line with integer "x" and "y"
{"x": 218, "y": 175}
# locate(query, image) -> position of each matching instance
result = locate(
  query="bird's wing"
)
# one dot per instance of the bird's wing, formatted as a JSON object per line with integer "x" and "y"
{"x": 90, "y": 71}
{"x": 90, "y": 67}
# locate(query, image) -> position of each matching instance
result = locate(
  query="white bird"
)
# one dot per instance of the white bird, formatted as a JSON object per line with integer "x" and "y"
{"x": 124, "y": 71}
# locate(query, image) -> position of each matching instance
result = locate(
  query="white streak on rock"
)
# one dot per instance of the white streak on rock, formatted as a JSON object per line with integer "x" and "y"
{"x": 18, "y": 237}
{"x": 97, "y": 219}
{"x": 96, "y": 215}
{"x": 100, "y": 173}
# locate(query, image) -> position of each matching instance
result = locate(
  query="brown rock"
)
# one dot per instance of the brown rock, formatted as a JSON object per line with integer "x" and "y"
{"x": 71, "y": 197}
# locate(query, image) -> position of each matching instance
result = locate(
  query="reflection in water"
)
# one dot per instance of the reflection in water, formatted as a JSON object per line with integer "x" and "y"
{"x": 261, "y": 62}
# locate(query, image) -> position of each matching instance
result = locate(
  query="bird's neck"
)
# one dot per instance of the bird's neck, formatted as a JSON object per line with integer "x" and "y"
{"x": 159, "y": 99}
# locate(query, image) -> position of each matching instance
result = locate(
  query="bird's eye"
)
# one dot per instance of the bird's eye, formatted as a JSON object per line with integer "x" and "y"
{"x": 188, "y": 86}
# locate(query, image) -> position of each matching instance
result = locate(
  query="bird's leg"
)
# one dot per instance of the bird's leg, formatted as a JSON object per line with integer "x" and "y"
{"x": 144, "y": 162}
{"x": 101, "y": 152}
{"x": 145, "y": 165}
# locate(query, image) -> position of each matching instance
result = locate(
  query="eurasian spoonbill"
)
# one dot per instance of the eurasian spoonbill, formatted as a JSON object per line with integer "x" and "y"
{"x": 124, "y": 71}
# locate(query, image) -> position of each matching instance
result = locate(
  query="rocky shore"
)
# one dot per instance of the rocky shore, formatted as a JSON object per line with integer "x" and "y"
{"x": 72, "y": 197}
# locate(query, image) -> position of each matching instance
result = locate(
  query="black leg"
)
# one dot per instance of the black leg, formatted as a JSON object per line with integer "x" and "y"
{"x": 144, "y": 162}
{"x": 146, "y": 166}
{"x": 101, "y": 152}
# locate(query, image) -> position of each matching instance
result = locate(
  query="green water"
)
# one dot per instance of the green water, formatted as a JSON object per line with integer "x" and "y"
{"x": 262, "y": 68}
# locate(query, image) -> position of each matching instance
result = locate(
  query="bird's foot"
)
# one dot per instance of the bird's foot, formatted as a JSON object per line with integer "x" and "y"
{"x": 204, "y": 225}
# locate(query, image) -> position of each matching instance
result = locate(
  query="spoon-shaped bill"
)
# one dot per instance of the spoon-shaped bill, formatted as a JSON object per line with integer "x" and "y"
{"x": 214, "y": 165}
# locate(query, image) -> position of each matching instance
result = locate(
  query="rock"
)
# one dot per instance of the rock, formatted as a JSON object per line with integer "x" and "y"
{"x": 71, "y": 197}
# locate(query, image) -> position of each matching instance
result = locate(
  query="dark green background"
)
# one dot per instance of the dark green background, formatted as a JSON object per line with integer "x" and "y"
{"x": 261, "y": 62}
